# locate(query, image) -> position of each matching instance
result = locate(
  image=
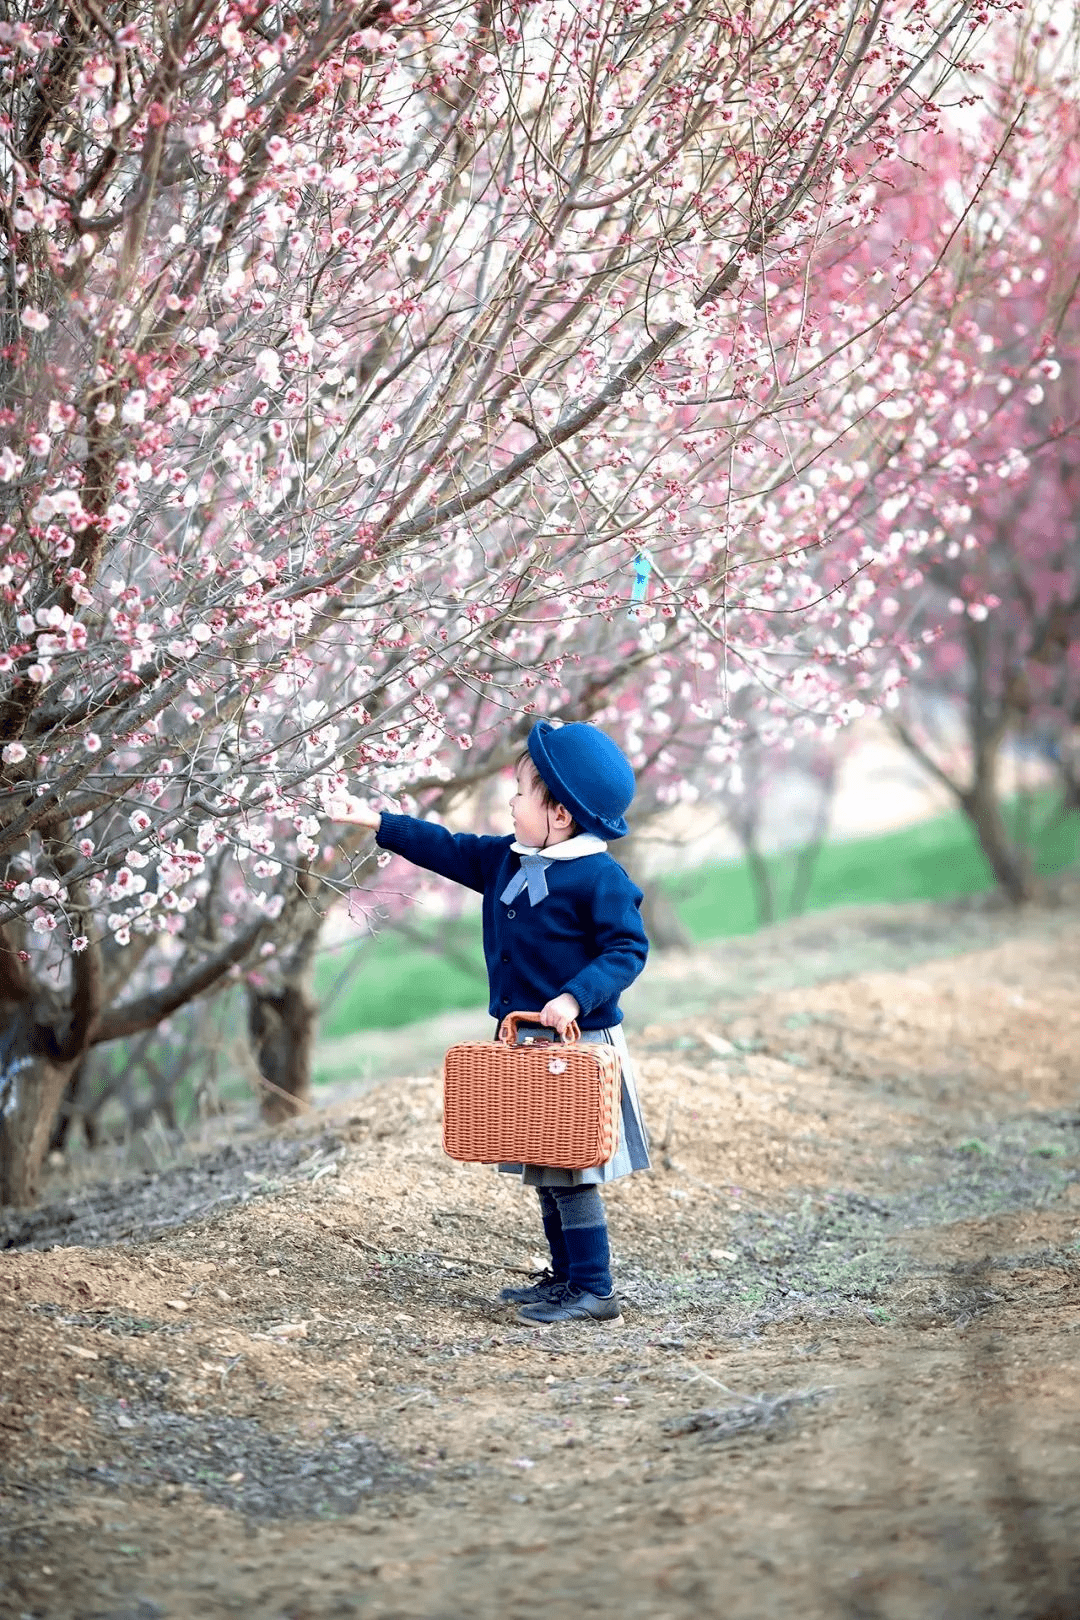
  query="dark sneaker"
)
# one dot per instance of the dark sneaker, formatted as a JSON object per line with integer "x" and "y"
{"x": 567, "y": 1304}
{"x": 536, "y": 1293}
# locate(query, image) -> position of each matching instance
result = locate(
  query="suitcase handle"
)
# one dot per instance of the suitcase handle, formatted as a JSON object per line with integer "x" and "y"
{"x": 509, "y": 1027}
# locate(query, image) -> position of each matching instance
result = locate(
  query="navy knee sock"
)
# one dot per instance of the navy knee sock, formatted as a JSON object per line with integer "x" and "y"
{"x": 584, "y": 1233}
{"x": 549, "y": 1214}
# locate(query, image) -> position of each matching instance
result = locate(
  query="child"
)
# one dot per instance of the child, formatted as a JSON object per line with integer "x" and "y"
{"x": 562, "y": 933}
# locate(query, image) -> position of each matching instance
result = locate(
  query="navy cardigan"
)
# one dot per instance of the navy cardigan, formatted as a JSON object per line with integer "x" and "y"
{"x": 586, "y": 937}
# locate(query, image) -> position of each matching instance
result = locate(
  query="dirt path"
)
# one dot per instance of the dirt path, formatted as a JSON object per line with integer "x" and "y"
{"x": 846, "y": 1384}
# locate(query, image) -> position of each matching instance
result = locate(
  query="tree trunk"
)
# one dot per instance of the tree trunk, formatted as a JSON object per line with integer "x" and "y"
{"x": 70, "y": 1110}
{"x": 664, "y": 926}
{"x": 761, "y": 880}
{"x": 281, "y": 1022}
{"x": 1070, "y": 789}
{"x": 1008, "y": 862}
{"x": 1069, "y": 767}
{"x": 282, "y": 1010}
{"x": 806, "y": 859}
{"x": 32, "y": 1086}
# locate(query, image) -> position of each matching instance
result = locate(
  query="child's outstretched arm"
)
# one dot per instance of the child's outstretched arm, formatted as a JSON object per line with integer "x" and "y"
{"x": 622, "y": 945}
{"x": 463, "y": 857}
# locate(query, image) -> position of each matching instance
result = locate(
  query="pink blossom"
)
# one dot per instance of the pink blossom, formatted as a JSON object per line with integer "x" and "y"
{"x": 35, "y": 320}
{"x": 133, "y": 410}
{"x": 234, "y": 110}
{"x": 60, "y": 415}
{"x": 267, "y": 367}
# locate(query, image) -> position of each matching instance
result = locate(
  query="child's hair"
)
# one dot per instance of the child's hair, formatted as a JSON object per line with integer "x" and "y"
{"x": 547, "y": 798}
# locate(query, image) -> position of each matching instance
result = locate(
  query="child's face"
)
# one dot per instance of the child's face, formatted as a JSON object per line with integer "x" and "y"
{"x": 533, "y": 823}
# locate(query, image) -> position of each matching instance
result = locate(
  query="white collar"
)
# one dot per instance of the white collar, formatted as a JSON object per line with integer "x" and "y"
{"x": 568, "y": 850}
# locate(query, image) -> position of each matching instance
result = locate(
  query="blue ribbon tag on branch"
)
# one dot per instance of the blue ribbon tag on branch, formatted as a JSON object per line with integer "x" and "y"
{"x": 642, "y": 570}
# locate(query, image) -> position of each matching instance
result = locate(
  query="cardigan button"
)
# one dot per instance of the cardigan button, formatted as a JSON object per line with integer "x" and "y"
{"x": 511, "y": 913}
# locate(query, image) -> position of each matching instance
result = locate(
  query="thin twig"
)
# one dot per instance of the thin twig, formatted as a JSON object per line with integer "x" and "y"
{"x": 433, "y": 1254}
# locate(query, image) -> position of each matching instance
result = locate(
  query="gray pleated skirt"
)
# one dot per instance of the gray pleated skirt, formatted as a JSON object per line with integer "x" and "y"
{"x": 632, "y": 1152}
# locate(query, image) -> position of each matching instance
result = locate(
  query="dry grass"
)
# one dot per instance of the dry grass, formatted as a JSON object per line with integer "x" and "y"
{"x": 273, "y": 1380}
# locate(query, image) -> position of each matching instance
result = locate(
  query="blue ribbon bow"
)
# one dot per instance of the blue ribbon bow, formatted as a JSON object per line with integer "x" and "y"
{"x": 531, "y": 876}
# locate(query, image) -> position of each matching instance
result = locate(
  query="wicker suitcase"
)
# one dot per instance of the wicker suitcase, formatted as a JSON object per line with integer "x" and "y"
{"x": 553, "y": 1103}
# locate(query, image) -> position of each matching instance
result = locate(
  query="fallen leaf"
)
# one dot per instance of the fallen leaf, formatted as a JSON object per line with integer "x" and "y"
{"x": 80, "y": 1351}
{"x": 177, "y": 1304}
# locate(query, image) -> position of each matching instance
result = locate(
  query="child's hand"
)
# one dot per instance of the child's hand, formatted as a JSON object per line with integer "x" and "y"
{"x": 560, "y": 1013}
{"x": 364, "y": 816}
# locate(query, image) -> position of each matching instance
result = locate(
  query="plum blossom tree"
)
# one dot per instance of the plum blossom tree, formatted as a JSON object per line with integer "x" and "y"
{"x": 967, "y": 485}
{"x": 1007, "y": 660}
{"x": 939, "y": 453}
{"x": 1003, "y": 580}
{"x": 346, "y": 352}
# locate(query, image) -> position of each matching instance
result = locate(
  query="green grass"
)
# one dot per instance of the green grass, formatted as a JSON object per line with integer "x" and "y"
{"x": 396, "y": 982}
{"x": 935, "y": 860}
